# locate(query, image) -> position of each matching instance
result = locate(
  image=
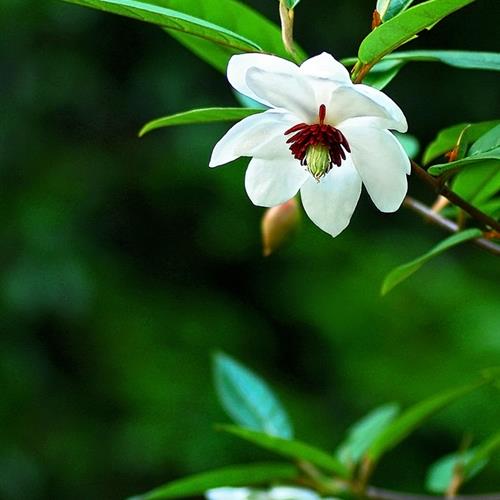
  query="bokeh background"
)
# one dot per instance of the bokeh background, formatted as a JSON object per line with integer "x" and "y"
{"x": 126, "y": 262}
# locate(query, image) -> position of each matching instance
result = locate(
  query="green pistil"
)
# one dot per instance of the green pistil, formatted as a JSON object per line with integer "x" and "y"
{"x": 318, "y": 160}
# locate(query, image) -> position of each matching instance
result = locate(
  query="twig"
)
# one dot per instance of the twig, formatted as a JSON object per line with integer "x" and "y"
{"x": 447, "y": 224}
{"x": 374, "y": 493}
{"x": 440, "y": 188}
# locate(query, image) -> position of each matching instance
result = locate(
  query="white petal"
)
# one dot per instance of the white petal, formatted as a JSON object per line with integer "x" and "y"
{"x": 239, "y": 65}
{"x": 291, "y": 493}
{"x": 348, "y": 102}
{"x": 387, "y": 103}
{"x": 290, "y": 91}
{"x": 263, "y": 132}
{"x": 381, "y": 163}
{"x": 330, "y": 203}
{"x": 272, "y": 182}
{"x": 227, "y": 493}
{"x": 326, "y": 66}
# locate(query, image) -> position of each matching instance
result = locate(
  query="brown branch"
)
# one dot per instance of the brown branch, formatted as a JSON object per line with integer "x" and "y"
{"x": 374, "y": 493}
{"x": 437, "y": 185}
{"x": 447, "y": 224}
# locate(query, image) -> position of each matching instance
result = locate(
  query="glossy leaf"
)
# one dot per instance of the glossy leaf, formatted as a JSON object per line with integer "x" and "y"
{"x": 447, "y": 138}
{"x": 404, "y": 271}
{"x": 296, "y": 450}
{"x": 202, "y": 115}
{"x": 232, "y": 15}
{"x": 390, "y": 8}
{"x": 441, "y": 473}
{"x": 414, "y": 417}
{"x": 363, "y": 433}
{"x": 402, "y": 28}
{"x": 173, "y": 20}
{"x": 478, "y": 159}
{"x": 477, "y": 184}
{"x": 457, "y": 58}
{"x": 248, "y": 400}
{"x": 238, "y": 475}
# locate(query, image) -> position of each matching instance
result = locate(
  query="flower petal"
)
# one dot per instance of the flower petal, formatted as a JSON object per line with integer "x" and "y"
{"x": 261, "y": 133}
{"x": 291, "y": 492}
{"x": 290, "y": 91}
{"x": 381, "y": 163}
{"x": 326, "y": 66}
{"x": 239, "y": 65}
{"x": 330, "y": 203}
{"x": 272, "y": 182}
{"x": 228, "y": 493}
{"x": 348, "y": 102}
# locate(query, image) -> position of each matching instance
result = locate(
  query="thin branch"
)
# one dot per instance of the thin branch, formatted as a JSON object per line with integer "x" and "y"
{"x": 447, "y": 224}
{"x": 374, "y": 493}
{"x": 440, "y": 188}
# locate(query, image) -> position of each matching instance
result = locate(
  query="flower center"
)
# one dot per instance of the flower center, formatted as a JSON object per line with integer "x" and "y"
{"x": 318, "y": 146}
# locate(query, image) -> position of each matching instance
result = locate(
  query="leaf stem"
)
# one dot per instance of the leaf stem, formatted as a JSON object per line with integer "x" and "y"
{"x": 439, "y": 187}
{"x": 447, "y": 224}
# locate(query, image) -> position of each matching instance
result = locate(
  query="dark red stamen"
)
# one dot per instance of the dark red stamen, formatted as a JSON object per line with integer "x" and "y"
{"x": 318, "y": 134}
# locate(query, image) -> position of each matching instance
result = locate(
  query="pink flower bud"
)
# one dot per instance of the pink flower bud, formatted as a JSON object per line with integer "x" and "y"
{"x": 278, "y": 225}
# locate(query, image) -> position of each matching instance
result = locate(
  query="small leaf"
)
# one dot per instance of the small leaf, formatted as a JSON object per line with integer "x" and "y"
{"x": 202, "y": 115}
{"x": 391, "y": 8}
{"x": 457, "y": 58}
{"x": 447, "y": 138}
{"x": 362, "y": 434}
{"x": 248, "y": 400}
{"x": 477, "y": 159}
{"x": 291, "y": 4}
{"x": 404, "y": 271}
{"x": 402, "y": 28}
{"x": 296, "y": 450}
{"x": 414, "y": 417}
{"x": 478, "y": 183}
{"x": 490, "y": 141}
{"x": 173, "y": 20}
{"x": 238, "y": 475}
{"x": 441, "y": 473}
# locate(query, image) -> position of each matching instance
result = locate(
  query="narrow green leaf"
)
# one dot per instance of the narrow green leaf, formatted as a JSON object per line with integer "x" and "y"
{"x": 202, "y": 115}
{"x": 235, "y": 16}
{"x": 173, "y": 20}
{"x": 457, "y": 58}
{"x": 382, "y": 74}
{"x": 391, "y": 8}
{"x": 477, "y": 159}
{"x": 238, "y": 475}
{"x": 481, "y": 454}
{"x": 414, "y": 417}
{"x": 405, "y": 26}
{"x": 363, "y": 433}
{"x": 404, "y": 271}
{"x": 296, "y": 450}
{"x": 248, "y": 399}
{"x": 441, "y": 473}
{"x": 447, "y": 138}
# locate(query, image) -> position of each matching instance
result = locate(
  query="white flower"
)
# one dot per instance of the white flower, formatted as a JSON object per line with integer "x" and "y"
{"x": 276, "y": 493}
{"x": 321, "y": 135}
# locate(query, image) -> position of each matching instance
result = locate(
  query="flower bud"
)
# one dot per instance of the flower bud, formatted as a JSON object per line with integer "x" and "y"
{"x": 278, "y": 225}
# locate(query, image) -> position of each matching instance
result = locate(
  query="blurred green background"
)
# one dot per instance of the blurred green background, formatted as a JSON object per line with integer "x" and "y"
{"x": 126, "y": 262}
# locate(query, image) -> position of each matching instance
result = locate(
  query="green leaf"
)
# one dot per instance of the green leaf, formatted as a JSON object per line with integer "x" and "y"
{"x": 402, "y": 28}
{"x": 363, "y": 433}
{"x": 291, "y": 4}
{"x": 234, "y": 16}
{"x": 457, "y": 58}
{"x": 441, "y": 473}
{"x": 202, "y": 115}
{"x": 390, "y": 8}
{"x": 382, "y": 74}
{"x": 173, "y": 20}
{"x": 410, "y": 144}
{"x": 248, "y": 400}
{"x": 404, "y": 271}
{"x": 490, "y": 141}
{"x": 447, "y": 138}
{"x": 414, "y": 417}
{"x": 296, "y": 450}
{"x": 238, "y": 475}
{"x": 481, "y": 454}
{"x": 478, "y": 183}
